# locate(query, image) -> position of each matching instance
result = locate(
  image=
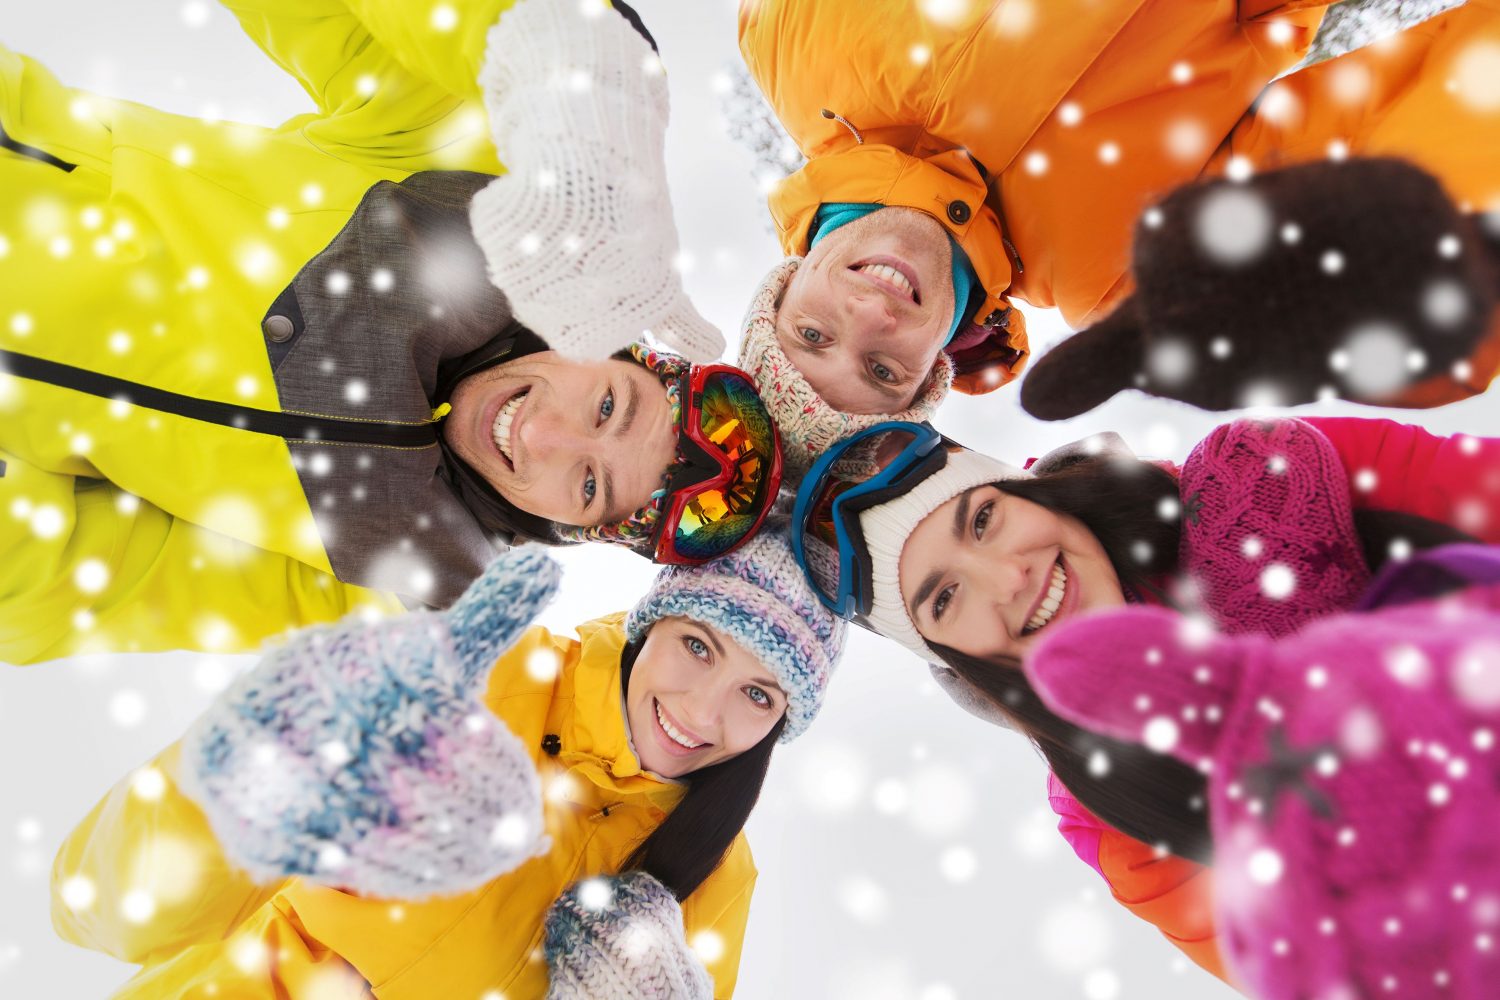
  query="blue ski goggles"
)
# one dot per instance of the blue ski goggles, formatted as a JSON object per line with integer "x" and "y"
{"x": 860, "y": 472}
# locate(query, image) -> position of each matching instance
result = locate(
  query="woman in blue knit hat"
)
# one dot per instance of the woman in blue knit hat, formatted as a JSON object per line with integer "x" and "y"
{"x": 452, "y": 804}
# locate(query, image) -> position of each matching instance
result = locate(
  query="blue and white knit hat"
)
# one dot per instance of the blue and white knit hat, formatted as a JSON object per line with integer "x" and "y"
{"x": 758, "y": 596}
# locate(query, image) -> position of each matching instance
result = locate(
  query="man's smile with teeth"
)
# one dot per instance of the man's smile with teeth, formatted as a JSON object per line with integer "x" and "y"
{"x": 1057, "y": 586}
{"x": 501, "y": 430}
{"x": 888, "y": 274}
{"x": 677, "y": 735}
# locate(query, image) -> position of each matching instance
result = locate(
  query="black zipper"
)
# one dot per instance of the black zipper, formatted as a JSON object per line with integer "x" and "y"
{"x": 31, "y": 152}
{"x": 292, "y": 426}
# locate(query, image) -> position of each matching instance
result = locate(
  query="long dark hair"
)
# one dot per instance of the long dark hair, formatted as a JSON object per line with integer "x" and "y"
{"x": 1152, "y": 797}
{"x": 692, "y": 841}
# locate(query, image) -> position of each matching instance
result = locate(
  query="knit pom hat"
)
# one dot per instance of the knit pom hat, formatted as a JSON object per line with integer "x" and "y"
{"x": 757, "y": 596}
{"x": 807, "y": 423}
{"x": 635, "y": 530}
{"x": 887, "y": 526}
{"x": 621, "y": 939}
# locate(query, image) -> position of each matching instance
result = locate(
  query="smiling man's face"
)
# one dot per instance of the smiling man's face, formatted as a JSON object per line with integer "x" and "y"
{"x": 576, "y": 442}
{"x": 865, "y": 315}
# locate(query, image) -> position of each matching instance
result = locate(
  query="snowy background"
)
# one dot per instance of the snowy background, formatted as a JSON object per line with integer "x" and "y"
{"x": 906, "y": 850}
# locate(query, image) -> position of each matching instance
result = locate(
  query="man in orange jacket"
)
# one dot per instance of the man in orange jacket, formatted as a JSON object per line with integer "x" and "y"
{"x": 1011, "y": 145}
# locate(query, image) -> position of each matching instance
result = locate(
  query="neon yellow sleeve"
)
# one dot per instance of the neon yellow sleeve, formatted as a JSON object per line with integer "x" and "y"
{"x": 112, "y": 573}
{"x": 393, "y": 80}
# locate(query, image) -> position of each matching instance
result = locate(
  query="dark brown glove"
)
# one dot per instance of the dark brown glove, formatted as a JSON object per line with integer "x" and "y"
{"x": 1346, "y": 278}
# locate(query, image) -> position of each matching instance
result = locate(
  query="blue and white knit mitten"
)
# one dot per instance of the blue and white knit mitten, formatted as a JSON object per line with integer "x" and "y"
{"x": 360, "y": 754}
{"x": 621, "y": 939}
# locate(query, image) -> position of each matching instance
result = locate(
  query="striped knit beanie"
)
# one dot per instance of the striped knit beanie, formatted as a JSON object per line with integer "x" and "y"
{"x": 758, "y": 596}
{"x": 808, "y": 425}
{"x": 621, "y": 939}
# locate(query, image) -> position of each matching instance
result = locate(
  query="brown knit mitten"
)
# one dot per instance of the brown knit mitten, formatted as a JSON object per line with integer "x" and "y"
{"x": 1351, "y": 278}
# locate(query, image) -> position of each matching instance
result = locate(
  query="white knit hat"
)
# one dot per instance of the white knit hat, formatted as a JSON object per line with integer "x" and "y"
{"x": 887, "y": 527}
{"x": 808, "y": 425}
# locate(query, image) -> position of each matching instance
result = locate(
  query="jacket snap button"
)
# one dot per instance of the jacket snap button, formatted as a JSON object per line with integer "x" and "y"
{"x": 959, "y": 212}
{"x": 552, "y": 744}
{"x": 278, "y": 328}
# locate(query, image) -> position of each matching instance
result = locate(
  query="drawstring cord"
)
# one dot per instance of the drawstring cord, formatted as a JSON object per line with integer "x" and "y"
{"x": 845, "y": 122}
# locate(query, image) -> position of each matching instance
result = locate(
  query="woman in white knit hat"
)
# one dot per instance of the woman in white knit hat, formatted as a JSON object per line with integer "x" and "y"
{"x": 365, "y": 809}
{"x": 970, "y": 562}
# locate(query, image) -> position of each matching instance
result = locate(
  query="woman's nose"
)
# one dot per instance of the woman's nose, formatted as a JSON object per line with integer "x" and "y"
{"x": 702, "y": 707}
{"x": 1009, "y": 579}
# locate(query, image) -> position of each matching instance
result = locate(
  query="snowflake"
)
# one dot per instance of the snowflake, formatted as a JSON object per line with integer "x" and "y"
{"x": 1265, "y": 866}
{"x": 1233, "y": 226}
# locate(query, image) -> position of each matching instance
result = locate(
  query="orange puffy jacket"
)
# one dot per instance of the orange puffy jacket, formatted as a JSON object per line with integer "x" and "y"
{"x": 1036, "y": 132}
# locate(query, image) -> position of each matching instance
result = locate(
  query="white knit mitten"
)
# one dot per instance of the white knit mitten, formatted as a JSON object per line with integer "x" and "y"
{"x": 360, "y": 755}
{"x": 621, "y": 939}
{"x": 579, "y": 234}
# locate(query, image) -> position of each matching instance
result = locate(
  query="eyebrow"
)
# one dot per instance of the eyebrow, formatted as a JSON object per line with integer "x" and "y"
{"x": 960, "y": 520}
{"x": 709, "y": 634}
{"x": 883, "y": 387}
{"x": 925, "y": 591}
{"x": 632, "y": 405}
{"x": 961, "y": 515}
{"x": 632, "y": 401}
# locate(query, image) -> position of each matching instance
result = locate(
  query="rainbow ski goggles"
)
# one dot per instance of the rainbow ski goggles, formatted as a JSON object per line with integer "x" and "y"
{"x": 860, "y": 472}
{"x": 728, "y": 472}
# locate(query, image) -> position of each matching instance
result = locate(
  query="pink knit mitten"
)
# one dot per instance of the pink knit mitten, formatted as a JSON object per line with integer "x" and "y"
{"x": 1268, "y": 528}
{"x": 1354, "y": 792}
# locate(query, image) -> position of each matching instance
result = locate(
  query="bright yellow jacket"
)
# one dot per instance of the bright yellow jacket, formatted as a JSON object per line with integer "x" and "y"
{"x": 213, "y": 933}
{"x": 1036, "y": 131}
{"x": 148, "y": 247}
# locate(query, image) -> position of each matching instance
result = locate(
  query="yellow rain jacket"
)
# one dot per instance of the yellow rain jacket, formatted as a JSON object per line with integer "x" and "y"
{"x": 145, "y": 248}
{"x": 1037, "y": 131}
{"x": 204, "y": 930}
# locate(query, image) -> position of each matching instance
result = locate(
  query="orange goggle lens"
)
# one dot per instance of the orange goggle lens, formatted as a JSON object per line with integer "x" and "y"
{"x": 734, "y": 427}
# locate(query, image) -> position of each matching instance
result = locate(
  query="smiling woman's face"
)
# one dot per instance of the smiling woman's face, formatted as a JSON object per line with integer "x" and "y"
{"x": 986, "y": 572}
{"x": 868, "y": 310}
{"x": 576, "y": 442}
{"x": 697, "y": 697}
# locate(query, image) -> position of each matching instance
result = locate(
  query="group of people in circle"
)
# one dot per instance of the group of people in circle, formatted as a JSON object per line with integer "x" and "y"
{"x": 330, "y": 389}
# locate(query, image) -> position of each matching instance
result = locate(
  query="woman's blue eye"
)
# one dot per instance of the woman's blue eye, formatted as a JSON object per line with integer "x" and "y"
{"x": 589, "y": 488}
{"x": 759, "y": 696}
{"x": 941, "y": 601}
{"x": 697, "y": 647}
{"x": 810, "y": 335}
{"x": 883, "y": 373}
{"x": 607, "y": 406}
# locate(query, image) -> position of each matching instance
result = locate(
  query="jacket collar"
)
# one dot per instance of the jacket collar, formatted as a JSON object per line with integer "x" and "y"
{"x": 591, "y": 724}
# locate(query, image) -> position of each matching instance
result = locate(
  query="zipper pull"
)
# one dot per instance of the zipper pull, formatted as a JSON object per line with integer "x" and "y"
{"x": 441, "y": 412}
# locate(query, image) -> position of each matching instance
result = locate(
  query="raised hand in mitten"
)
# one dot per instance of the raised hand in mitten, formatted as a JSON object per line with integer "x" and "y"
{"x": 1353, "y": 791}
{"x": 621, "y": 939}
{"x": 1354, "y": 278}
{"x": 579, "y": 233}
{"x": 1268, "y": 530}
{"x": 361, "y": 755}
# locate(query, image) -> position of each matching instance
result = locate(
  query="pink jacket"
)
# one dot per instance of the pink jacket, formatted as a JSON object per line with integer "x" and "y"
{"x": 1389, "y": 466}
